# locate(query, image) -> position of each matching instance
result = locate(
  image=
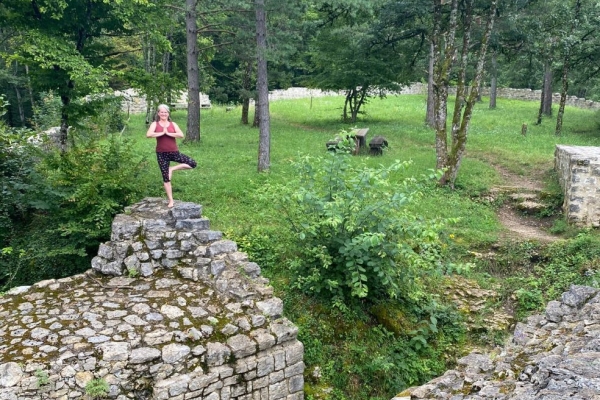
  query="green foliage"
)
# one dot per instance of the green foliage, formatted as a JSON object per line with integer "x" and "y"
{"x": 92, "y": 182}
{"x": 18, "y": 159}
{"x": 42, "y": 377}
{"x": 264, "y": 246}
{"x": 72, "y": 202}
{"x": 97, "y": 388}
{"x": 46, "y": 112}
{"x": 354, "y": 235}
{"x": 552, "y": 270}
{"x": 132, "y": 272}
{"x": 356, "y": 352}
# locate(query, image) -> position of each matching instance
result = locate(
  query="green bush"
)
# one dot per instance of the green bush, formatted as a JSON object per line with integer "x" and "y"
{"x": 76, "y": 196}
{"x": 92, "y": 182}
{"x": 354, "y": 237}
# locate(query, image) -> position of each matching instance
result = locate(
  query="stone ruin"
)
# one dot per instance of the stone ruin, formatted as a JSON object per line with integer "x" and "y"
{"x": 578, "y": 169}
{"x": 553, "y": 356}
{"x": 169, "y": 310}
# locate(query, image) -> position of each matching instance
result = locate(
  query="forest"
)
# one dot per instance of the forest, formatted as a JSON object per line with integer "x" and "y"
{"x": 360, "y": 249}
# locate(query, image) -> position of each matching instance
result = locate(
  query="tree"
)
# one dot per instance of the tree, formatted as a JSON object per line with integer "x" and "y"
{"x": 360, "y": 49}
{"x": 262, "y": 88}
{"x": 569, "y": 44}
{"x": 445, "y": 47}
{"x": 66, "y": 46}
{"x": 192, "y": 133}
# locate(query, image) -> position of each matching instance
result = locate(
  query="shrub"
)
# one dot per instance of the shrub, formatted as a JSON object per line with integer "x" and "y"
{"x": 76, "y": 195}
{"x": 354, "y": 236}
{"x": 92, "y": 182}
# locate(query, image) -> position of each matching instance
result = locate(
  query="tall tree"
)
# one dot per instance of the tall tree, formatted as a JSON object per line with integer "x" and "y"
{"x": 262, "y": 88}
{"x": 446, "y": 48}
{"x": 570, "y": 41}
{"x": 192, "y": 133}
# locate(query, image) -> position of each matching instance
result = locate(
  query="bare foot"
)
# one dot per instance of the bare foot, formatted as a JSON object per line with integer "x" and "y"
{"x": 170, "y": 205}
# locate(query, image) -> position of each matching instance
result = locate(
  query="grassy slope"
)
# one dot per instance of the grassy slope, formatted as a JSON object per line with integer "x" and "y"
{"x": 226, "y": 178}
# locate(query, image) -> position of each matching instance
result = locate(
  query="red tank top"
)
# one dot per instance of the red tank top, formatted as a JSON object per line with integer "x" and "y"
{"x": 165, "y": 143}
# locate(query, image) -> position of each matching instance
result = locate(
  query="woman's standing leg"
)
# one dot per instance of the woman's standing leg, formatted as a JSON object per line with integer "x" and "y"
{"x": 163, "y": 164}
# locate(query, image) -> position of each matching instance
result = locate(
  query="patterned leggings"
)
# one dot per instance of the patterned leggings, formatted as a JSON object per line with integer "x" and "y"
{"x": 164, "y": 159}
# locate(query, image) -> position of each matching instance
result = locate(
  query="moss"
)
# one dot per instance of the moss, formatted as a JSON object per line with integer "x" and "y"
{"x": 393, "y": 318}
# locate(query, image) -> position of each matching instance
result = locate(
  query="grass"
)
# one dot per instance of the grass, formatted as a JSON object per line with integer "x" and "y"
{"x": 226, "y": 180}
{"x": 227, "y": 174}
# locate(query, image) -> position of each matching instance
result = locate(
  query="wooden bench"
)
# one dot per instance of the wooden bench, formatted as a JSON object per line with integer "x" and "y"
{"x": 358, "y": 135}
{"x": 377, "y": 144}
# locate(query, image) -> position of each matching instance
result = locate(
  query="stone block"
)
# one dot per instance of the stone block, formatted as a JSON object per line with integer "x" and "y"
{"x": 197, "y": 224}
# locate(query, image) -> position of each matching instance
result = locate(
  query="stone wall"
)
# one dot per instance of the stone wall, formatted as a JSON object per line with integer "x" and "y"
{"x": 553, "y": 356}
{"x": 135, "y": 104}
{"x": 169, "y": 310}
{"x": 578, "y": 169}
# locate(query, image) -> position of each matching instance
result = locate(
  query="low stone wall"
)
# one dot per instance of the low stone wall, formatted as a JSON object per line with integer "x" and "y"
{"x": 135, "y": 104}
{"x": 169, "y": 310}
{"x": 552, "y": 356}
{"x": 578, "y": 169}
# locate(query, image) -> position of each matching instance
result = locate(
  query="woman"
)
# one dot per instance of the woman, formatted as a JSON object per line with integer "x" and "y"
{"x": 165, "y": 131}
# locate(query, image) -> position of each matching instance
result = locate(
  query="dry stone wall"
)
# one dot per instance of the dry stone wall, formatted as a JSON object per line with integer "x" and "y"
{"x": 169, "y": 310}
{"x": 135, "y": 104}
{"x": 552, "y": 356}
{"x": 578, "y": 169}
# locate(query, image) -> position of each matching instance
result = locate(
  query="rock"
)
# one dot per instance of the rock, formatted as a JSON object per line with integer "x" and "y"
{"x": 549, "y": 357}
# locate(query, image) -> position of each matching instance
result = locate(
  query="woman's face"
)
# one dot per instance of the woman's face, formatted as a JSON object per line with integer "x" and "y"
{"x": 163, "y": 114}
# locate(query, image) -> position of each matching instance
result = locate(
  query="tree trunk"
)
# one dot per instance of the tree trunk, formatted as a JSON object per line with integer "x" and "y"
{"x": 256, "y": 120}
{"x": 246, "y": 86}
{"x": 262, "y": 88}
{"x": 192, "y": 133}
{"x": 149, "y": 55}
{"x": 64, "y": 123}
{"x": 346, "y": 103}
{"x": 20, "y": 105}
{"x": 541, "y": 109}
{"x": 563, "y": 98}
{"x": 547, "y": 90}
{"x": 442, "y": 65}
{"x": 245, "y": 109}
{"x": 460, "y": 130}
{"x": 430, "y": 116}
{"x": 494, "y": 81}
{"x": 565, "y": 72}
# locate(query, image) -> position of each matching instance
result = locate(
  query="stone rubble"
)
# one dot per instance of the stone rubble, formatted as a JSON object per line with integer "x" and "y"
{"x": 554, "y": 356}
{"x": 169, "y": 310}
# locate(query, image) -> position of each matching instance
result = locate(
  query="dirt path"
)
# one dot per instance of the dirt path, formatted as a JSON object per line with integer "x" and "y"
{"x": 518, "y": 225}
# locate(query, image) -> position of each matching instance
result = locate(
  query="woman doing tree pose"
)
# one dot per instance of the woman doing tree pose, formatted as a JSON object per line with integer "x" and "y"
{"x": 166, "y": 131}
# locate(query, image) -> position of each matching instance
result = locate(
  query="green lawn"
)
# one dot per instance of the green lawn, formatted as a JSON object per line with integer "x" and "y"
{"x": 227, "y": 154}
{"x": 357, "y": 357}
